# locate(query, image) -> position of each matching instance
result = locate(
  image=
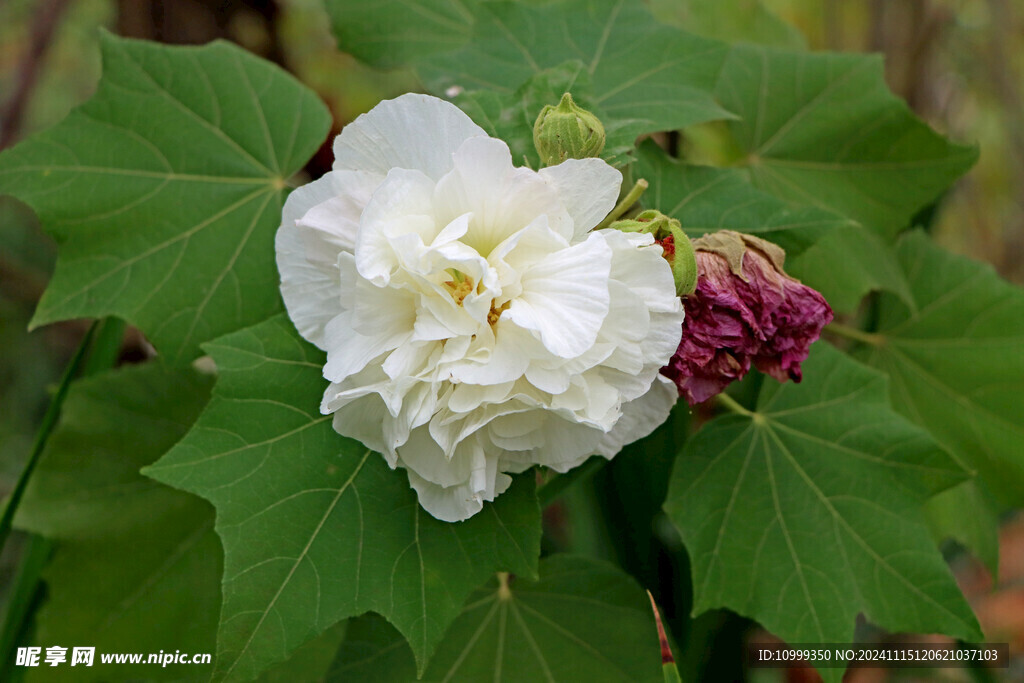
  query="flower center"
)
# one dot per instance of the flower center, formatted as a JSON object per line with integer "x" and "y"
{"x": 496, "y": 311}
{"x": 459, "y": 286}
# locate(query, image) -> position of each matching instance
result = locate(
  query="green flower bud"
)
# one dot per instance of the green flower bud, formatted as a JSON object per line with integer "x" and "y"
{"x": 567, "y": 132}
{"x": 651, "y": 220}
{"x": 683, "y": 260}
{"x": 675, "y": 245}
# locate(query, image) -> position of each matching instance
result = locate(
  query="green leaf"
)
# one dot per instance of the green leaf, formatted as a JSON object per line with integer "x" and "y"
{"x": 374, "y": 652}
{"x": 956, "y": 359}
{"x": 824, "y": 130}
{"x": 652, "y": 76}
{"x": 583, "y": 620}
{"x": 967, "y": 514}
{"x": 165, "y": 190}
{"x": 733, "y": 21}
{"x": 26, "y": 251}
{"x": 847, "y": 264}
{"x": 514, "y": 58}
{"x": 136, "y": 564}
{"x": 315, "y": 527}
{"x": 807, "y": 512}
{"x": 708, "y": 199}
{"x": 311, "y": 661}
{"x": 390, "y": 33}
{"x": 87, "y": 483}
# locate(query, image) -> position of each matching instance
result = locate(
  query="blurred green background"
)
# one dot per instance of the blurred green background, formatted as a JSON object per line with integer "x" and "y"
{"x": 958, "y": 63}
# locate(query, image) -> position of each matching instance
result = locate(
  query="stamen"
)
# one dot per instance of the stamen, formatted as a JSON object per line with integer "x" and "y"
{"x": 459, "y": 286}
{"x": 496, "y": 311}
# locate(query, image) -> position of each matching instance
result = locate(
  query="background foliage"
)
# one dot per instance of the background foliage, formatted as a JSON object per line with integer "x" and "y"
{"x": 164, "y": 189}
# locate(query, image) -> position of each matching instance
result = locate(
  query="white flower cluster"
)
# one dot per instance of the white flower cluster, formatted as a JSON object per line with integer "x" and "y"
{"x": 474, "y": 323}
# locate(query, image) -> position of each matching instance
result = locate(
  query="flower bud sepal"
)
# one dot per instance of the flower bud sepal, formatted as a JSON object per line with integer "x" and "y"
{"x": 567, "y": 131}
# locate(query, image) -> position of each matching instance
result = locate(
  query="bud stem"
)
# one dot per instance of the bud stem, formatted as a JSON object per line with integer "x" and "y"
{"x": 729, "y": 402}
{"x": 627, "y": 201}
{"x": 855, "y": 334}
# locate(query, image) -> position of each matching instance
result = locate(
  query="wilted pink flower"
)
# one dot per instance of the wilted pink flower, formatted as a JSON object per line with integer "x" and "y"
{"x": 745, "y": 310}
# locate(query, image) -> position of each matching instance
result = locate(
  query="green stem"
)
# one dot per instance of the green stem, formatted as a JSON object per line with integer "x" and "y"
{"x": 855, "y": 334}
{"x": 627, "y": 201}
{"x": 23, "y": 596}
{"x": 729, "y": 402}
{"x": 45, "y": 429}
{"x": 106, "y": 346}
{"x": 553, "y": 490}
{"x": 98, "y": 351}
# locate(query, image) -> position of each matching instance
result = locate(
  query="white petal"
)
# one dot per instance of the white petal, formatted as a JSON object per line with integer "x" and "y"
{"x": 475, "y": 480}
{"x": 307, "y": 259}
{"x": 396, "y": 224}
{"x": 429, "y": 327}
{"x": 455, "y": 503}
{"x": 603, "y": 401}
{"x": 565, "y": 297}
{"x": 468, "y": 397}
{"x": 420, "y": 404}
{"x": 663, "y": 339}
{"x": 422, "y": 455}
{"x": 592, "y": 357}
{"x": 305, "y": 197}
{"x": 626, "y": 328}
{"x": 412, "y": 131}
{"x": 552, "y": 380}
{"x": 507, "y": 361}
{"x": 643, "y": 269}
{"x": 451, "y": 430}
{"x": 628, "y": 319}
{"x": 641, "y": 416}
{"x": 455, "y": 229}
{"x": 379, "y": 311}
{"x": 526, "y": 247}
{"x": 566, "y": 444}
{"x": 518, "y": 431}
{"x": 628, "y": 358}
{"x": 362, "y": 420}
{"x": 311, "y": 292}
{"x": 411, "y": 359}
{"x": 588, "y": 188}
{"x": 350, "y": 351}
{"x": 503, "y": 199}
{"x": 331, "y": 225}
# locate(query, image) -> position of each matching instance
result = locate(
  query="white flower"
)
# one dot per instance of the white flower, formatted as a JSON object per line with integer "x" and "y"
{"x": 473, "y": 323}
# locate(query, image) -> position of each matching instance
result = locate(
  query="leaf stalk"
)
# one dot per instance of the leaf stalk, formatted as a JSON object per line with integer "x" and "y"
{"x": 43, "y": 435}
{"x": 727, "y": 401}
{"x": 855, "y": 334}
